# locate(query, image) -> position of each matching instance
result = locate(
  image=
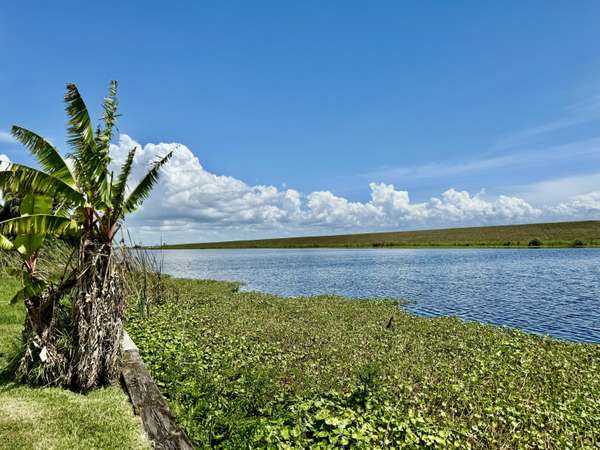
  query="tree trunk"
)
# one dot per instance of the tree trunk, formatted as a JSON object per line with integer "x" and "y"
{"x": 98, "y": 316}
{"x": 41, "y": 363}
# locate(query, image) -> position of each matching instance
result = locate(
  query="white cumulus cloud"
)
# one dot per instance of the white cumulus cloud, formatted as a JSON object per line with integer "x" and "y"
{"x": 187, "y": 193}
{"x": 192, "y": 204}
{"x": 583, "y": 206}
{"x": 4, "y": 162}
{"x": 6, "y": 137}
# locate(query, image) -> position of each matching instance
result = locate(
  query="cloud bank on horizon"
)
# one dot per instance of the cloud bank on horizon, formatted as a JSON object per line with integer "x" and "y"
{"x": 191, "y": 204}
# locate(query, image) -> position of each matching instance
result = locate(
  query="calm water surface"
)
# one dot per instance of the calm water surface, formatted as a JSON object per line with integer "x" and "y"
{"x": 548, "y": 291}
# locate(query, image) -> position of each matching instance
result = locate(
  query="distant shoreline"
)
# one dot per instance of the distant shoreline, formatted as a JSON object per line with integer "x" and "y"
{"x": 390, "y": 247}
{"x": 543, "y": 235}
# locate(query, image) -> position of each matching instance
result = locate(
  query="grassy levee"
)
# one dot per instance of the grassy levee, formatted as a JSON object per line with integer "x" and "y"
{"x": 52, "y": 418}
{"x": 560, "y": 234}
{"x": 245, "y": 369}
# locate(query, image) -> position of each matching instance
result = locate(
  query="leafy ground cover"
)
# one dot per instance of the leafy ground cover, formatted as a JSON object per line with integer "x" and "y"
{"x": 255, "y": 370}
{"x": 55, "y": 418}
{"x": 561, "y": 234}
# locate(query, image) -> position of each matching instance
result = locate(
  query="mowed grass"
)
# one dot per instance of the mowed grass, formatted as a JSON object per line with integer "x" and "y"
{"x": 561, "y": 234}
{"x": 54, "y": 418}
{"x": 245, "y": 369}
{"x": 11, "y": 318}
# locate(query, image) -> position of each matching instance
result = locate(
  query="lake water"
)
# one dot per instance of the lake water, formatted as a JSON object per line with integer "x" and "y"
{"x": 548, "y": 291}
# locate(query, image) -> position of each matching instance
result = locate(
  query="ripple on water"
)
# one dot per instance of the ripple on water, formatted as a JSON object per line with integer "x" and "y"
{"x": 547, "y": 291}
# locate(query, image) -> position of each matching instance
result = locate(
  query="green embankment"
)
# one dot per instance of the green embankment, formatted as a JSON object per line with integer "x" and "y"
{"x": 245, "y": 369}
{"x": 52, "y": 418}
{"x": 561, "y": 234}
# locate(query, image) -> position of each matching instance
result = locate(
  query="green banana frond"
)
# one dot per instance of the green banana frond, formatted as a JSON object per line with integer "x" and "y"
{"x": 121, "y": 185}
{"x": 47, "y": 155}
{"x": 45, "y": 224}
{"x": 24, "y": 179}
{"x": 144, "y": 188}
{"x": 5, "y": 243}
{"x": 109, "y": 116}
{"x": 79, "y": 130}
{"x": 28, "y": 244}
{"x": 36, "y": 204}
{"x": 91, "y": 160}
{"x": 89, "y": 167}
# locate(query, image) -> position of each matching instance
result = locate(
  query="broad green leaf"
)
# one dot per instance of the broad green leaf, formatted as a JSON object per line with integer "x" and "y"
{"x": 5, "y": 243}
{"x": 39, "y": 224}
{"x": 47, "y": 155}
{"x": 28, "y": 244}
{"x": 79, "y": 130}
{"x": 144, "y": 188}
{"x": 121, "y": 185}
{"x": 25, "y": 180}
{"x": 90, "y": 160}
{"x": 36, "y": 204}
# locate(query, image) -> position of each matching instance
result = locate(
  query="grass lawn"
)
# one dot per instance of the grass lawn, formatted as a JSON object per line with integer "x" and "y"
{"x": 55, "y": 418}
{"x": 249, "y": 369}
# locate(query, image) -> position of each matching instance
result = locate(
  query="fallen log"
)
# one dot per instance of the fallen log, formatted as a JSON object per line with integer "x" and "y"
{"x": 158, "y": 421}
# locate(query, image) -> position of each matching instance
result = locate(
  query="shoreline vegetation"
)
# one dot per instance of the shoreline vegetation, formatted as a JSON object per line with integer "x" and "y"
{"x": 254, "y": 370}
{"x": 549, "y": 235}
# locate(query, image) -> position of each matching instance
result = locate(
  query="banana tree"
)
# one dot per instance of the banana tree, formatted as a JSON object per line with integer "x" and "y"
{"x": 37, "y": 293}
{"x": 27, "y": 246}
{"x": 92, "y": 200}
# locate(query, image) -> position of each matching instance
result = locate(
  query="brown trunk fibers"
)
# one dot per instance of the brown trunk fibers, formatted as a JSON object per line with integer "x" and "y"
{"x": 98, "y": 312}
{"x": 40, "y": 343}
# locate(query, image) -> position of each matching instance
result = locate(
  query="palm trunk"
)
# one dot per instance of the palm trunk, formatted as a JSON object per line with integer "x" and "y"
{"x": 98, "y": 315}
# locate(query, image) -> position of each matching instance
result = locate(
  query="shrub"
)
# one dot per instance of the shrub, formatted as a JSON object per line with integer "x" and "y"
{"x": 534, "y": 243}
{"x": 578, "y": 243}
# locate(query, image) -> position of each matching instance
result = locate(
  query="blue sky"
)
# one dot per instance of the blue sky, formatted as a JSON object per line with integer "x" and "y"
{"x": 327, "y": 97}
